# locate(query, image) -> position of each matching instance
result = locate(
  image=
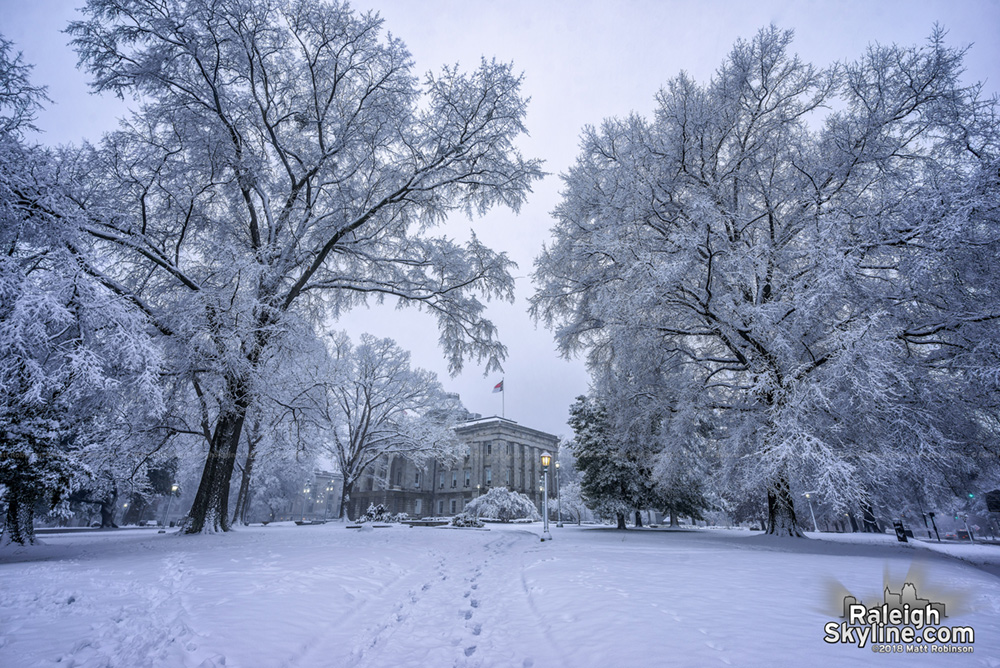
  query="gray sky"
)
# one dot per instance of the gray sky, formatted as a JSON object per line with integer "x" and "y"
{"x": 582, "y": 62}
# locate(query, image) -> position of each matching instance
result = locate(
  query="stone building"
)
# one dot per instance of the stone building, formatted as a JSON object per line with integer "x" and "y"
{"x": 498, "y": 453}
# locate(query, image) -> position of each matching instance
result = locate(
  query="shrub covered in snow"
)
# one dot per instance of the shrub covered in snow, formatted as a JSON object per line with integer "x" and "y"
{"x": 466, "y": 520}
{"x": 504, "y": 505}
{"x": 379, "y": 513}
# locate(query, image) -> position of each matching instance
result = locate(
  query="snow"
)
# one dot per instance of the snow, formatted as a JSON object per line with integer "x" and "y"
{"x": 283, "y": 595}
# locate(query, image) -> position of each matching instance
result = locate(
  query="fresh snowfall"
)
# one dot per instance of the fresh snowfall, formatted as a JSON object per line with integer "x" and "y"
{"x": 328, "y": 596}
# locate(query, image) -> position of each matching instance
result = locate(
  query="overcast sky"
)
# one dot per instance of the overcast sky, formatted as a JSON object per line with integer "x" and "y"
{"x": 582, "y": 62}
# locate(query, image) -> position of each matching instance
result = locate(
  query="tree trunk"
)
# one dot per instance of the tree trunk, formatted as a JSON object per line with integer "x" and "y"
{"x": 621, "y": 521}
{"x": 108, "y": 511}
{"x": 210, "y": 509}
{"x": 781, "y": 511}
{"x": 868, "y": 518}
{"x": 345, "y": 500}
{"x": 20, "y": 523}
{"x": 638, "y": 520}
{"x": 673, "y": 519}
{"x": 242, "y": 512}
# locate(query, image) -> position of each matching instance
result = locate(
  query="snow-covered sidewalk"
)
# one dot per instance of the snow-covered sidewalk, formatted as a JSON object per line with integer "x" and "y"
{"x": 326, "y": 596}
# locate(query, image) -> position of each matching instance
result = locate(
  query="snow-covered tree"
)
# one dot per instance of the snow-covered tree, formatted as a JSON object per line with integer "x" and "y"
{"x": 371, "y": 406}
{"x": 502, "y": 504}
{"x": 807, "y": 286}
{"x": 571, "y": 500}
{"x": 74, "y": 358}
{"x": 284, "y": 162}
{"x": 616, "y": 478}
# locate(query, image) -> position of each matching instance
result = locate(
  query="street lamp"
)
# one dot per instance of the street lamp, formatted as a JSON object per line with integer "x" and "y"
{"x": 558, "y": 501}
{"x": 809, "y": 500}
{"x": 329, "y": 500}
{"x": 166, "y": 513}
{"x": 546, "y": 460}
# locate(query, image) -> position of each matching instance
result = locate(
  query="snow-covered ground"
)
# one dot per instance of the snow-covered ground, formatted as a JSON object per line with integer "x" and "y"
{"x": 325, "y": 595}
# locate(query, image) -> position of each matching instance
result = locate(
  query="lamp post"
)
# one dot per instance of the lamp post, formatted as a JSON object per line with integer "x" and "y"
{"x": 809, "y": 500}
{"x": 546, "y": 460}
{"x": 166, "y": 512}
{"x": 558, "y": 501}
{"x": 329, "y": 500}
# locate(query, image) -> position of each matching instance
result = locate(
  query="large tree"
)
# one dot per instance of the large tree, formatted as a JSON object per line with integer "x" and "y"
{"x": 285, "y": 162}
{"x": 74, "y": 360}
{"x": 616, "y": 475}
{"x": 806, "y": 277}
{"x": 369, "y": 405}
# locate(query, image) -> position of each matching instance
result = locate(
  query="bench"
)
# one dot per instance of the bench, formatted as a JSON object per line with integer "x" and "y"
{"x": 426, "y": 523}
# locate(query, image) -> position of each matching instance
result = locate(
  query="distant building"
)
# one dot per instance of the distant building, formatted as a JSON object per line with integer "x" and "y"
{"x": 319, "y": 499}
{"x": 499, "y": 453}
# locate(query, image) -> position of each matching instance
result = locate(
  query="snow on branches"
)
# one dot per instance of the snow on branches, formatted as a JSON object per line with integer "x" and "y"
{"x": 502, "y": 504}
{"x": 284, "y": 164}
{"x": 809, "y": 291}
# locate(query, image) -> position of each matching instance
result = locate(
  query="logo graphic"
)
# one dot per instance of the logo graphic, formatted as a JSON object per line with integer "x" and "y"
{"x": 901, "y": 622}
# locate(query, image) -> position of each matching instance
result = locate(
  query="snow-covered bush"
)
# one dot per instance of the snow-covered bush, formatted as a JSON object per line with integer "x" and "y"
{"x": 466, "y": 520}
{"x": 379, "y": 513}
{"x": 504, "y": 505}
{"x": 375, "y": 513}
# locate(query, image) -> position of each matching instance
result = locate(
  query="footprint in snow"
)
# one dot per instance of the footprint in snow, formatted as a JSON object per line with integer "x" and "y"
{"x": 468, "y": 614}
{"x": 469, "y": 651}
{"x": 474, "y": 603}
{"x": 477, "y": 629}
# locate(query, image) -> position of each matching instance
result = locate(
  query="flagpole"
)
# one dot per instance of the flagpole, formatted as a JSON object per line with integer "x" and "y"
{"x": 503, "y": 399}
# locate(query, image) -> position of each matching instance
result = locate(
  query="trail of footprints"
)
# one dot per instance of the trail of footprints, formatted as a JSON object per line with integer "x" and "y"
{"x": 476, "y": 628}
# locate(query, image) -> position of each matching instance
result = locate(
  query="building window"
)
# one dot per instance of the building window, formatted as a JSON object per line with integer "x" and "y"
{"x": 489, "y": 476}
{"x": 416, "y": 480}
{"x": 454, "y": 478}
{"x": 399, "y": 477}
{"x": 510, "y": 449}
{"x": 507, "y": 481}
{"x": 371, "y": 482}
{"x": 468, "y": 477}
{"x": 454, "y": 505}
{"x": 489, "y": 448}
{"x": 441, "y": 480}
{"x": 440, "y": 507}
{"x": 417, "y": 506}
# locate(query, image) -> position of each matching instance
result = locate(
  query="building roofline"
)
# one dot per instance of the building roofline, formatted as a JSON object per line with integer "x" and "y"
{"x": 502, "y": 422}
